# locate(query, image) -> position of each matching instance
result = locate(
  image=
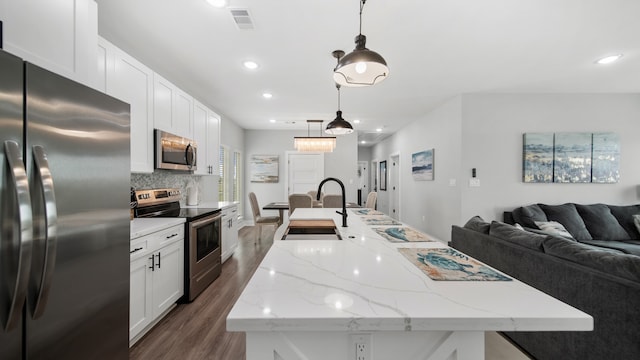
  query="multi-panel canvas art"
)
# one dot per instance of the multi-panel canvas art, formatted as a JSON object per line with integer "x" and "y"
{"x": 571, "y": 158}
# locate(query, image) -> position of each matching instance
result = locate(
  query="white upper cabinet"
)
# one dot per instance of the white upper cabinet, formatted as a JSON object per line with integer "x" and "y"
{"x": 60, "y": 36}
{"x": 130, "y": 81}
{"x": 172, "y": 107}
{"x": 206, "y": 125}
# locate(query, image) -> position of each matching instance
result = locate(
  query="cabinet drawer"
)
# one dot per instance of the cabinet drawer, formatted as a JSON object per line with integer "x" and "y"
{"x": 138, "y": 248}
{"x": 168, "y": 236}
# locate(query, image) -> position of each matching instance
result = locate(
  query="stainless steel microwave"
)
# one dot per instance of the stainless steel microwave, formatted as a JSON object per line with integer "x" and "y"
{"x": 174, "y": 152}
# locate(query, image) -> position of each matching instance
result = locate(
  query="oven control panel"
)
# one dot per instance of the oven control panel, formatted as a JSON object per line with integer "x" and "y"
{"x": 147, "y": 197}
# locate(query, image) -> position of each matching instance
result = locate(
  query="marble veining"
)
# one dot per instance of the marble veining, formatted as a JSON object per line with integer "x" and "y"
{"x": 363, "y": 283}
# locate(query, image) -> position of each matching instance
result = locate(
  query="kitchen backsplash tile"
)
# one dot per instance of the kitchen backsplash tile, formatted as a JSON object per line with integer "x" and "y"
{"x": 167, "y": 179}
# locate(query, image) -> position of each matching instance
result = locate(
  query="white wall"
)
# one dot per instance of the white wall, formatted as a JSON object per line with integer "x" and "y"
{"x": 435, "y": 201}
{"x": 485, "y": 132}
{"x": 493, "y": 126}
{"x": 341, "y": 163}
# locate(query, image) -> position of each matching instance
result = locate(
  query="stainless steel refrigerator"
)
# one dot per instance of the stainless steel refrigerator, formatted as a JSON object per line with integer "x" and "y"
{"x": 64, "y": 226}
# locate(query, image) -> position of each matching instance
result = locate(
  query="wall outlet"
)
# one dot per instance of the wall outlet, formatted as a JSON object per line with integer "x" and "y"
{"x": 360, "y": 347}
{"x": 474, "y": 182}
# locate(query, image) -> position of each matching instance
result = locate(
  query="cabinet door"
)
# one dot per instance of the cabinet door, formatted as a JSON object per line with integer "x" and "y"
{"x": 226, "y": 234}
{"x": 183, "y": 114}
{"x": 168, "y": 276}
{"x": 213, "y": 141}
{"x": 132, "y": 82}
{"x": 163, "y": 94}
{"x": 200, "y": 118}
{"x": 60, "y": 35}
{"x": 140, "y": 292}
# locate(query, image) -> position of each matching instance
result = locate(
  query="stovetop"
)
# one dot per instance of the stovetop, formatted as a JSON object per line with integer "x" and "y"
{"x": 164, "y": 203}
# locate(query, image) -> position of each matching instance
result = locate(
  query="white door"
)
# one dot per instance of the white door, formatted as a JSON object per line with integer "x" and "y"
{"x": 305, "y": 171}
{"x": 394, "y": 187}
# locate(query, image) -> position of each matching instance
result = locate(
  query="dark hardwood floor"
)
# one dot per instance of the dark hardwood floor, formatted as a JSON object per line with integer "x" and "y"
{"x": 198, "y": 330}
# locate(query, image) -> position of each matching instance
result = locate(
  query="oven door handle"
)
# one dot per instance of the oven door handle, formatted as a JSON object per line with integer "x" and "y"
{"x": 204, "y": 221}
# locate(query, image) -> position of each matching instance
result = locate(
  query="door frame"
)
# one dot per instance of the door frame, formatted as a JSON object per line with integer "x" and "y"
{"x": 394, "y": 189}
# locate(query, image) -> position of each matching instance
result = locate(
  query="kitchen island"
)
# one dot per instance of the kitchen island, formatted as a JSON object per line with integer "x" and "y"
{"x": 327, "y": 299}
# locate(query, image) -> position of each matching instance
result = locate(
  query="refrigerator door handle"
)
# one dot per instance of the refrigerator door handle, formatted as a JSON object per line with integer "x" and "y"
{"x": 45, "y": 230}
{"x": 19, "y": 235}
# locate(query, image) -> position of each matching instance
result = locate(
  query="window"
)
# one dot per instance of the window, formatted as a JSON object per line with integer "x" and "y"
{"x": 230, "y": 183}
{"x": 237, "y": 179}
{"x": 224, "y": 166}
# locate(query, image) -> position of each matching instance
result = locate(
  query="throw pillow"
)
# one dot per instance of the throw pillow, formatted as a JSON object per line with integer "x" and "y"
{"x": 526, "y": 215}
{"x": 514, "y": 235}
{"x": 602, "y": 225}
{"x": 553, "y": 228}
{"x": 636, "y": 221}
{"x": 476, "y": 223}
{"x": 624, "y": 214}
{"x": 567, "y": 215}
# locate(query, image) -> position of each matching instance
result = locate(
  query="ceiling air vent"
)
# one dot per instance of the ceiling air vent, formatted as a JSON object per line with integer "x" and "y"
{"x": 242, "y": 19}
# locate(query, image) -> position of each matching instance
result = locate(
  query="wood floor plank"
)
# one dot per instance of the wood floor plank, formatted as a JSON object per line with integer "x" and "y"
{"x": 197, "y": 330}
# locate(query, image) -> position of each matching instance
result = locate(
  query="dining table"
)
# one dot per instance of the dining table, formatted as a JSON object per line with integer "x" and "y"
{"x": 281, "y": 206}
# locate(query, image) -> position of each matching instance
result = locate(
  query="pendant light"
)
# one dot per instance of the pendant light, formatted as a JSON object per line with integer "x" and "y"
{"x": 339, "y": 126}
{"x": 314, "y": 144}
{"x": 361, "y": 67}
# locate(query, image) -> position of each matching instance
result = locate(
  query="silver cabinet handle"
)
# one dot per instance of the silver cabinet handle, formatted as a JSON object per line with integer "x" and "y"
{"x": 45, "y": 231}
{"x": 16, "y": 237}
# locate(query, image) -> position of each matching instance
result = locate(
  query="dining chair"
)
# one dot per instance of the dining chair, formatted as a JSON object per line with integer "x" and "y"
{"x": 371, "y": 200}
{"x": 316, "y": 203}
{"x": 260, "y": 220}
{"x": 299, "y": 201}
{"x": 332, "y": 201}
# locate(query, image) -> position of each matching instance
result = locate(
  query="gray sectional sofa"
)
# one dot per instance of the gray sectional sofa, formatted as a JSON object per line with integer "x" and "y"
{"x": 594, "y": 266}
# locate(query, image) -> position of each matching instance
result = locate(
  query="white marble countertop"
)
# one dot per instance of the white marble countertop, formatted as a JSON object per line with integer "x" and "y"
{"x": 212, "y": 205}
{"x": 145, "y": 226}
{"x": 362, "y": 283}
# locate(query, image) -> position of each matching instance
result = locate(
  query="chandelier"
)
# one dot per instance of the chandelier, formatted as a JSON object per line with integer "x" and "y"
{"x": 314, "y": 143}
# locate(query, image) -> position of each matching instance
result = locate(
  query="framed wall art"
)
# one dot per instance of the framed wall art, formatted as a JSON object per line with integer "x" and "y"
{"x": 264, "y": 168}
{"x": 422, "y": 165}
{"x": 383, "y": 175}
{"x": 571, "y": 157}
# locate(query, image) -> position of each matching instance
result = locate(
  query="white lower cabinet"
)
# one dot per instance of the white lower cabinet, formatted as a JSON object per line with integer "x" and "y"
{"x": 157, "y": 278}
{"x": 229, "y": 231}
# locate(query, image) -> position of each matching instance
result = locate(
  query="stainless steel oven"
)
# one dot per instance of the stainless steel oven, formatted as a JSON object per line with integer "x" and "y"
{"x": 204, "y": 253}
{"x": 203, "y": 236}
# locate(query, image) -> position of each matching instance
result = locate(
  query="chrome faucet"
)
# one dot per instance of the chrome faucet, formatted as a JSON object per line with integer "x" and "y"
{"x": 344, "y": 200}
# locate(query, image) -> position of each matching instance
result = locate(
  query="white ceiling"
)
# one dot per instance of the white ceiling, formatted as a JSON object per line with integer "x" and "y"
{"x": 435, "y": 50}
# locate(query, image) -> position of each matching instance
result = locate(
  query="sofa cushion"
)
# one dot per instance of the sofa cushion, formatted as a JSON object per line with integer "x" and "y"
{"x": 610, "y": 261}
{"x": 601, "y": 223}
{"x": 628, "y": 247}
{"x": 624, "y": 214}
{"x": 567, "y": 215}
{"x": 636, "y": 221}
{"x": 528, "y": 215}
{"x": 514, "y": 235}
{"x": 553, "y": 228}
{"x": 478, "y": 224}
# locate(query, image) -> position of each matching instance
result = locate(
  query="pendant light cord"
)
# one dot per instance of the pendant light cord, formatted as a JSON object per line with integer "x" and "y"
{"x": 361, "y": 7}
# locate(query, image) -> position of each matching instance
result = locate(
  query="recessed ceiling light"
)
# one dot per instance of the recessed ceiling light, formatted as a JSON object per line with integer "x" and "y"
{"x": 251, "y": 65}
{"x": 363, "y": 142}
{"x": 379, "y": 129}
{"x": 609, "y": 59}
{"x": 267, "y": 95}
{"x": 218, "y": 3}
{"x": 356, "y": 121}
{"x": 273, "y": 121}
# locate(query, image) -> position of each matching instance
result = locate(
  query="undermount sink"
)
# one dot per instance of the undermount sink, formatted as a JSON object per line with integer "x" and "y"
{"x": 316, "y": 229}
